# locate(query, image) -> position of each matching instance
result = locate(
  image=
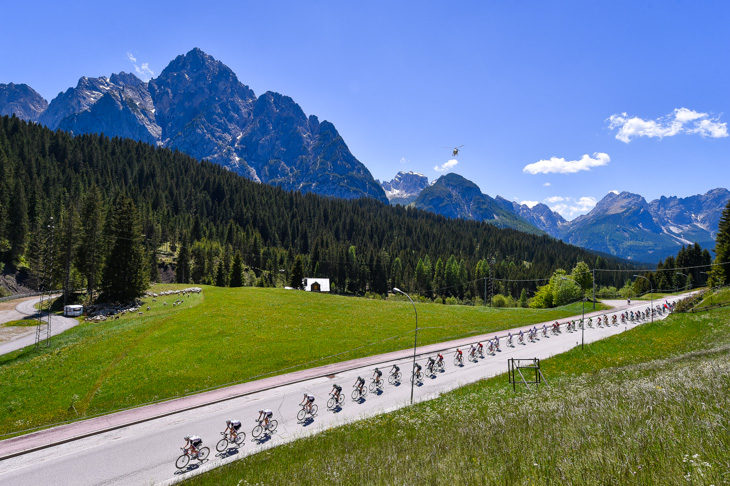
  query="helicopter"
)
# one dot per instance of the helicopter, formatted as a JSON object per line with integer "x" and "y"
{"x": 455, "y": 150}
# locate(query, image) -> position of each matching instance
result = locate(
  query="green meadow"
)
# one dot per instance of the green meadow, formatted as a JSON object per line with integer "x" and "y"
{"x": 220, "y": 337}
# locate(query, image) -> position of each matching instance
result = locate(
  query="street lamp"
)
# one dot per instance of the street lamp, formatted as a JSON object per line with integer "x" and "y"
{"x": 583, "y": 319}
{"x": 651, "y": 295}
{"x": 415, "y": 339}
{"x": 685, "y": 282}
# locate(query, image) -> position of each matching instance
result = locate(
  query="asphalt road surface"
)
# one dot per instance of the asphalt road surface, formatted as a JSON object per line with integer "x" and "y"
{"x": 145, "y": 453}
{"x": 24, "y": 309}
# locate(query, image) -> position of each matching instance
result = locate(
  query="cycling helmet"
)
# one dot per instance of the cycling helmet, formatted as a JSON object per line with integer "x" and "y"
{"x": 376, "y": 370}
{"x": 187, "y": 437}
{"x": 261, "y": 411}
{"x": 228, "y": 422}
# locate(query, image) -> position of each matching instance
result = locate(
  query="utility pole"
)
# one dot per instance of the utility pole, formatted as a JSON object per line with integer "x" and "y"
{"x": 594, "y": 289}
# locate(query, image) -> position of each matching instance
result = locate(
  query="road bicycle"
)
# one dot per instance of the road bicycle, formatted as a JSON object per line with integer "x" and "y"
{"x": 439, "y": 365}
{"x": 417, "y": 376}
{"x": 269, "y": 428}
{"x": 395, "y": 376}
{"x": 480, "y": 350}
{"x": 183, "y": 461}
{"x": 236, "y": 441}
{"x": 311, "y": 411}
{"x": 473, "y": 355}
{"x": 359, "y": 392}
{"x": 336, "y": 400}
{"x": 458, "y": 359}
{"x": 376, "y": 385}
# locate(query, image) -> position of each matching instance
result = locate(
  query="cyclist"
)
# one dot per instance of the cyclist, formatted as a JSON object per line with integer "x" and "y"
{"x": 394, "y": 369}
{"x": 416, "y": 370}
{"x": 232, "y": 428}
{"x": 544, "y": 329}
{"x": 192, "y": 444}
{"x": 440, "y": 360}
{"x": 264, "y": 416}
{"x": 376, "y": 376}
{"x": 459, "y": 355}
{"x": 359, "y": 383}
{"x": 429, "y": 365}
{"x": 336, "y": 390}
{"x": 307, "y": 401}
{"x": 480, "y": 348}
{"x": 522, "y": 337}
{"x": 472, "y": 352}
{"x": 496, "y": 343}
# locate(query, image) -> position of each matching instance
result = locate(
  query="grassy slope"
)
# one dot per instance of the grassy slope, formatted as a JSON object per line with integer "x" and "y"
{"x": 21, "y": 323}
{"x": 219, "y": 337}
{"x": 644, "y": 407}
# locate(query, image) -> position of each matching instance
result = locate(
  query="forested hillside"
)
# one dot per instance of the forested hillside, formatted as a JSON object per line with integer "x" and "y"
{"x": 223, "y": 229}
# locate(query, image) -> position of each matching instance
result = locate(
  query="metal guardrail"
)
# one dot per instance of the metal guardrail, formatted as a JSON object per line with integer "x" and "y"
{"x": 30, "y": 294}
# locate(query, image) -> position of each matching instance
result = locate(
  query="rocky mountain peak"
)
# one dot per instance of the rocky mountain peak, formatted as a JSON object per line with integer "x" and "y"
{"x": 404, "y": 187}
{"x": 123, "y": 78}
{"x": 22, "y": 101}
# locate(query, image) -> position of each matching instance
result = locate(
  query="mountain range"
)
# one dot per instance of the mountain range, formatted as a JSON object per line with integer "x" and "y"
{"x": 197, "y": 105}
{"x": 621, "y": 224}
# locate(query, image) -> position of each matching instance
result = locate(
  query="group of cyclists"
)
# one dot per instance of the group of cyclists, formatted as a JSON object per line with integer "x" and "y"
{"x": 436, "y": 363}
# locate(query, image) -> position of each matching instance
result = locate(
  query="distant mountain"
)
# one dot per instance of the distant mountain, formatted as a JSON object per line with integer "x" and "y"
{"x": 405, "y": 187}
{"x": 22, "y": 100}
{"x": 626, "y": 225}
{"x": 454, "y": 196}
{"x": 197, "y": 105}
{"x": 623, "y": 225}
{"x": 540, "y": 215}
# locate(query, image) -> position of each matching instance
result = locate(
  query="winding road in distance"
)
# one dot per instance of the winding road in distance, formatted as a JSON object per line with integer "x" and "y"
{"x": 145, "y": 452}
{"x": 25, "y": 309}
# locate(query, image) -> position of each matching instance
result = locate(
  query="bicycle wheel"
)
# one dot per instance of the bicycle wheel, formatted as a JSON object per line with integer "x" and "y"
{"x": 372, "y": 387}
{"x": 314, "y": 410}
{"x": 221, "y": 445}
{"x": 273, "y": 424}
{"x": 182, "y": 461}
{"x": 355, "y": 394}
{"x": 257, "y": 431}
{"x": 203, "y": 454}
{"x": 300, "y": 416}
{"x": 341, "y": 399}
{"x": 240, "y": 438}
{"x": 331, "y": 403}
{"x": 456, "y": 362}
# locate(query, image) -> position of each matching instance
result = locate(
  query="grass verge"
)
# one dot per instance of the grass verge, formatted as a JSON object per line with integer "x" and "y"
{"x": 219, "y": 337}
{"x": 649, "y": 406}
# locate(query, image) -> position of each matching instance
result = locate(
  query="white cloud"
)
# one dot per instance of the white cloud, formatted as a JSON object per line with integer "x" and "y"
{"x": 681, "y": 120}
{"x": 447, "y": 166}
{"x": 530, "y": 204}
{"x": 547, "y": 184}
{"x": 403, "y": 160}
{"x": 144, "y": 71}
{"x": 570, "y": 207}
{"x": 562, "y": 166}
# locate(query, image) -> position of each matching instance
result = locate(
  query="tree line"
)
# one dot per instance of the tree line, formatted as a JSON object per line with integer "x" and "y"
{"x": 89, "y": 211}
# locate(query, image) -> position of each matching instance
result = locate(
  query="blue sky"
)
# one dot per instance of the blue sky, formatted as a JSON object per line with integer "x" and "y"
{"x": 516, "y": 83}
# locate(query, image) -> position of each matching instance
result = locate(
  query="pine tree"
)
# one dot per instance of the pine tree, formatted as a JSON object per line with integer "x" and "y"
{"x": 721, "y": 270}
{"x": 18, "y": 228}
{"x": 90, "y": 250}
{"x": 297, "y": 274}
{"x": 125, "y": 274}
{"x": 236, "y": 278}
{"x": 220, "y": 274}
{"x": 182, "y": 270}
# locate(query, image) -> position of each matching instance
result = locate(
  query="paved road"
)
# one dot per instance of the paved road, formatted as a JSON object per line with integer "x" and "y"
{"x": 144, "y": 453}
{"x": 24, "y": 309}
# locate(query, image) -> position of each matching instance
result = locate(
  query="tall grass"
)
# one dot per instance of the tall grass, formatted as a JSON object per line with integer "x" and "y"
{"x": 649, "y": 406}
{"x": 219, "y": 337}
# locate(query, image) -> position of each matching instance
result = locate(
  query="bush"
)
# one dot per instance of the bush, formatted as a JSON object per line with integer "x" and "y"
{"x": 499, "y": 300}
{"x": 452, "y": 301}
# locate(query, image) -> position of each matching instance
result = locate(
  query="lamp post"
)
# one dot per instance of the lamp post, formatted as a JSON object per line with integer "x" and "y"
{"x": 651, "y": 295}
{"x": 685, "y": 282}
{"x": 583, "y": 319}
{"x": 415, "y": 339}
